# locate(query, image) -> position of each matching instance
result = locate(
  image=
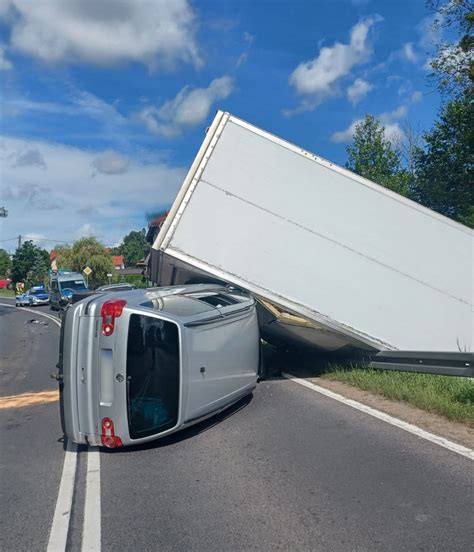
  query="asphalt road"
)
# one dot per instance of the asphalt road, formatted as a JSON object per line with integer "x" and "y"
{"x": 31, "y": 456}
{"x": 288, "y": 469}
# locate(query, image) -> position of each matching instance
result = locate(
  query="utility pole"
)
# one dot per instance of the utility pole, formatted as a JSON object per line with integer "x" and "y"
{"x": 19, "y": 241}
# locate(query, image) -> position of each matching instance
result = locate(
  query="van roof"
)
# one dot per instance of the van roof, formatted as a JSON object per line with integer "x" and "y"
{"x": 67, "y": 276}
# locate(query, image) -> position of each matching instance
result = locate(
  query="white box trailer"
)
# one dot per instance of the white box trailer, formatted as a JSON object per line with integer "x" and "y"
{"x": 337, "y": 261}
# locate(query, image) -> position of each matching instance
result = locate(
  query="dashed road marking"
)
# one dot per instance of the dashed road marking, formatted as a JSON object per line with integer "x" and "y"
{"x": 91, "y": 529}
{"x": 62, "y": 512}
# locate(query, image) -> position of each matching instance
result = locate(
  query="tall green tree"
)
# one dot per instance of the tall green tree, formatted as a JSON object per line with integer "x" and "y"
{"x": 373, "y": 156}
{"x": 63, "y": 256}
{"x": 30, "y": 264}
{"x": 133, "y": 247}
{"x": 5, "y": 264}
{"x": 90, "y": 252}
{"x": 445, "y": 168}
{"x": 453, "y": 65}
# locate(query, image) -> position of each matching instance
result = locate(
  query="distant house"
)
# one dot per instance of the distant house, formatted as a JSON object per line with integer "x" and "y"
{"x": 154, "y": 227}
{"x": 118, "y": 262}
{"x": 52, "y": 258}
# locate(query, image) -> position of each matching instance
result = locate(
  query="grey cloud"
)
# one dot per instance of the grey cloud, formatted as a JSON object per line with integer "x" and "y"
{"x": 33, "y": 196}
{"x": 30, "y": 158}
{"x": 111, "y": 162}
{"x": 88, "y": 210}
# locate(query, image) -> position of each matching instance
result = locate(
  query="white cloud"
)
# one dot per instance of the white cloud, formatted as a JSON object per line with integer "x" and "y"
{"x": 393, "y": 132}
{"x": 248, "y": 41}
{"x": 399, "y": 113}
{"x": 5, "y": 64}
{"x": 187, "y": 110}
{"x": 346, "y": 135}
{"x": 389, "y": 119}
{"x": 86, "y": 231}
{"x": 318, "y": 79}
{"x": 106, "y": 32}
{"x": 110, "y": 162}
{"x": 430, "y": 31}
{"x": 63, "y": 196}
{"x": 358, "y": 90}
{"x": 409, "y": 53}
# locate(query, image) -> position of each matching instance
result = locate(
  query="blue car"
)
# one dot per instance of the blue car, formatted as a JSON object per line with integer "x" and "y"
{"x": 36, "y": 295}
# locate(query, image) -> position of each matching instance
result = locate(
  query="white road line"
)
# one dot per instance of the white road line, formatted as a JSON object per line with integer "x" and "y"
{"x": 50, "y": 316}
{"x": 441, "y": 441}
{"x": 91, "y": 530}
{"x": 62, "y": 513}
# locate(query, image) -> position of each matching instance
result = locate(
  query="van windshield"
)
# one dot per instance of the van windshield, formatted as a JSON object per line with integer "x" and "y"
{"x": 72, "y": 284}
{"x": 152, "y": 375}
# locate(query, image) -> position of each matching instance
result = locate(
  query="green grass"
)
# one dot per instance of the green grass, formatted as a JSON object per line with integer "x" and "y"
{"x": 451, "y": 397}
{"x": 7, "y": 293}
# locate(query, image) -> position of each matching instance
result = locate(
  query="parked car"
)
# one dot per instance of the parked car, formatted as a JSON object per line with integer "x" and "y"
{"x": 36, "y": 295}
{"x": 22, "y": 300}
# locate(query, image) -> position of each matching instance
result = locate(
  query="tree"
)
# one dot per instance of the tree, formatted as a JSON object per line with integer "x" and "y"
{"x": 454, "y": 62}
{"x": 90, "y": 252}
{"x": 63, "y": 256}
{"x": 444, "y": 169}
{"x": 134, "y": 247}
{"x": 30, "y": 263}
{"x": 5, "y": 264}
{"x": 373, "y": 156}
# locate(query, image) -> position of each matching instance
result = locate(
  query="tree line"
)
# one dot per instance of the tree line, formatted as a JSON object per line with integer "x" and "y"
{"x": 437, "y": 170}
{"x": 31, "y": 264}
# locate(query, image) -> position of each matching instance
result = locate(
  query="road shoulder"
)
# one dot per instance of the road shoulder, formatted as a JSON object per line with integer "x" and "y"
{"x": 454, "y": 431}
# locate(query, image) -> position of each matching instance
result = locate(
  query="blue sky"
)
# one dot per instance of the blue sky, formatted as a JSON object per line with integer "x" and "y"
{"x": 104, "y": 104}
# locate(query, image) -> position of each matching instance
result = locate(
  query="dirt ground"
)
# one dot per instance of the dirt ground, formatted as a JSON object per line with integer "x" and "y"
{"x": 455, "y": 431}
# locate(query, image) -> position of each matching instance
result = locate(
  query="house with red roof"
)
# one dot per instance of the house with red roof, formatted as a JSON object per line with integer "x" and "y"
{"x": 118, "y": 261}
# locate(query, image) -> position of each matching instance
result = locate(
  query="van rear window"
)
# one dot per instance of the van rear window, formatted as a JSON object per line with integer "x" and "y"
{"x": 152, "y": 375}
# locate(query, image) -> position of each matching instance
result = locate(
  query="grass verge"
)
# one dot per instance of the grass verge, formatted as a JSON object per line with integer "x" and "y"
{"x": 7, "y": 293}
{"x": 451, "y": 397}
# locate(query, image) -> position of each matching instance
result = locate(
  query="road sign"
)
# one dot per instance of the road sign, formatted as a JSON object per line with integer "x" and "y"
{"x": 109, "y": 275}
{"x": 87, "y": 271}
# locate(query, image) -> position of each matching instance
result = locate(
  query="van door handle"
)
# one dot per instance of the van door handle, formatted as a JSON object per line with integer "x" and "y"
{"x": 56, "y": 376}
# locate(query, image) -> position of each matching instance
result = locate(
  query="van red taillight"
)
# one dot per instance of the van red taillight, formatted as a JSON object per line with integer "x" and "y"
{"x": 111, "y": 310}
{"x": 108, "y": 437}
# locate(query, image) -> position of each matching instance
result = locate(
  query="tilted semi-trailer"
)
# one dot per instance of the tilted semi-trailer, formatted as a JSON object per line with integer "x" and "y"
{"x": 337, "y": 262}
